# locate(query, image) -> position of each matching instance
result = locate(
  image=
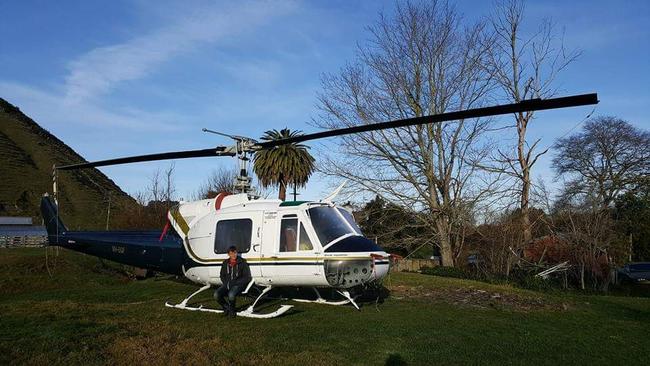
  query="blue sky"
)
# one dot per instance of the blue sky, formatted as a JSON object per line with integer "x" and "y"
{"x": 133, "y": 77}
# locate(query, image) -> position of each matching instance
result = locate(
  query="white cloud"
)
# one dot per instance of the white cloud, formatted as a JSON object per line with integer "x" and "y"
{"x": 81, "y": 99}
{"x": 102, "y": 69}
{"x": 45, "y": 106}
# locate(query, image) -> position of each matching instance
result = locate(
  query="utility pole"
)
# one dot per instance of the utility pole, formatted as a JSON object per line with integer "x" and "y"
{"x": 54, "y": 186}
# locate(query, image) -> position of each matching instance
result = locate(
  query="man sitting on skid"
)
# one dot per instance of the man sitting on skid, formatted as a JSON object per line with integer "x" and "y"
{"x": 235, "y": 276}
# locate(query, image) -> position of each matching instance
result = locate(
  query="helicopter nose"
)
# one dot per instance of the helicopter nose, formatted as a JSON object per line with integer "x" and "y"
{"x": 349, "y": 273}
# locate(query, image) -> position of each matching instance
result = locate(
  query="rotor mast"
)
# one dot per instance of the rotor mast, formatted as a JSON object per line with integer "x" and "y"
{"x": 244, "y": 146}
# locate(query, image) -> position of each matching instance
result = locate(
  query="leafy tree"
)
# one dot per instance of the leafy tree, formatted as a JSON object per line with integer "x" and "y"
{"x": 391, "y": 226}
{"x": 607, "y": 158}
{"x": 632, "y": 215}
{"x": 370, "y": 218}
{"x": 285, "y": 164}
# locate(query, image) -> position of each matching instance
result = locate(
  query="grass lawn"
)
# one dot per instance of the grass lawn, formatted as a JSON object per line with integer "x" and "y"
{"x": 86, "y": 314}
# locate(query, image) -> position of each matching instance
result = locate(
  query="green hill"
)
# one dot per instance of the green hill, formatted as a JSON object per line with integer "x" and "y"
{"x": 27, "y": 154}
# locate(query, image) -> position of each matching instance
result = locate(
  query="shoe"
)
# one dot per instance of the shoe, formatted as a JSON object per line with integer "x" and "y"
{"x": 232, "y": 310}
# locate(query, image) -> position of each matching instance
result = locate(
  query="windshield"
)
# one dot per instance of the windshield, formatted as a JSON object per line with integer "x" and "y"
{"x": 350, "y": 219}
{"x": 329, "y": 225}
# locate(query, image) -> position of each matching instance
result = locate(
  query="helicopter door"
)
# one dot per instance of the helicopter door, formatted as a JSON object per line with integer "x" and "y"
{"x": 291, "y": 257}
{"x": 243, "y": 230}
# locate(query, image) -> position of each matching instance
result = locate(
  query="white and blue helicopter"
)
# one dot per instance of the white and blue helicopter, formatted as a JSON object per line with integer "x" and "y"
{"x": 302, "y": 244}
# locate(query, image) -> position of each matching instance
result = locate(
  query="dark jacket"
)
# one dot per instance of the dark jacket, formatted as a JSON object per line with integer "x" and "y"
{"x": 239, "y": 275}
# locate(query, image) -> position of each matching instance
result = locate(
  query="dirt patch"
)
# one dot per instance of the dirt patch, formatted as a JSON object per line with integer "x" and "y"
{"x": 476, "y": 297}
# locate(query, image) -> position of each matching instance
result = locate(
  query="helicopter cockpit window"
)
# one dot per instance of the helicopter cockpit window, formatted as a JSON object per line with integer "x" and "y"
{"x": 350, "y": 219}
{"x": 329, "y": 225}
{"x": 288, "y": 234}
{"x": 305, "y": 243}
{"x": 236, "y": 232}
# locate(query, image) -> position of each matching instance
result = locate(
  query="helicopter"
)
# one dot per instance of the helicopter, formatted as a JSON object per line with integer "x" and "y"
{"x": 303, "y": 244}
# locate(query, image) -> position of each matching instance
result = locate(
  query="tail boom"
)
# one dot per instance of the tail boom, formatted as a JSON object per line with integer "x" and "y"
{"x": 142, "y": 249}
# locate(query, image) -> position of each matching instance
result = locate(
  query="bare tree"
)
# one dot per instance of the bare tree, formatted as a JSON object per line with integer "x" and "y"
{"x": 153, "y": 202}
{"x": 154, "y": 191}
{"x": 169, "y": 189}
{"x": 498, "y": 239}
{"x": 524, "y": 68}
{"x": 609, "y": 157}
{"x": 221, "y": 180}
{"x": 422, "y": 61}
{"x": 494, "y": 240}
{"x": 161, "y": 186}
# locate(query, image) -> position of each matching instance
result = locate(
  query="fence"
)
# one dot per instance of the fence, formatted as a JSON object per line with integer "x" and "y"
{"x": 22, "y": 241}
{"x": 414, "y": 265}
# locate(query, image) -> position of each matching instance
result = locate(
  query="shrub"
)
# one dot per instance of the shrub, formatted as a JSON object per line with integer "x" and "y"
{"x": 518, "y": 277}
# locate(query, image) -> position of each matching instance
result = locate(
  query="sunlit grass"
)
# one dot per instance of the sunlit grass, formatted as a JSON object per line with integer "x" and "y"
{"x": 87, "y": 314}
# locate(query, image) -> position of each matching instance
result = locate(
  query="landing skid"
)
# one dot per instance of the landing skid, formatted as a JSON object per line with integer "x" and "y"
{"x": 319, "y": 300}
{"x": 248, "y": 313}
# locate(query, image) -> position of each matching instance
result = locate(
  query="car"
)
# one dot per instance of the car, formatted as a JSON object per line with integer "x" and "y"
{"x": 638, "y": 272}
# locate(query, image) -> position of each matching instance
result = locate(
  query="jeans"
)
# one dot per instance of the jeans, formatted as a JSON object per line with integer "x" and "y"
{"x": 223, "y": 291}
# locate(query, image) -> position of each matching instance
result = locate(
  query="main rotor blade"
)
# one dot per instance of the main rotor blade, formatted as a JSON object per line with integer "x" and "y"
{"x": 216, "y": 151}
{"x": 523, "y": 106}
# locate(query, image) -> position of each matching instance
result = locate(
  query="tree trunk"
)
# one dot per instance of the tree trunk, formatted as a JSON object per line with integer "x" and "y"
{"x": 446, "y": 254}
{"x": 282, "y": 195}
{"x": 525, "y": 181}
{"x": 525, "y": 226}
{"x": 446, "y": 251}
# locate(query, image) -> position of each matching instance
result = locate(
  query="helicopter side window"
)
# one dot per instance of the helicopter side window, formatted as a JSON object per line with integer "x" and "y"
{"x": 289, "y": 234}
{"x": 236, "y": 232}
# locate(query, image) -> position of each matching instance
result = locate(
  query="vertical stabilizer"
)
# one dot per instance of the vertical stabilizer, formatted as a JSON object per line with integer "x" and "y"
{"x": 53, "y": 223}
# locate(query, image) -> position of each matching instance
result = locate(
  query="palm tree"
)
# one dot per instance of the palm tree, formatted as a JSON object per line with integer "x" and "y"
{"x": 285, "y": 164}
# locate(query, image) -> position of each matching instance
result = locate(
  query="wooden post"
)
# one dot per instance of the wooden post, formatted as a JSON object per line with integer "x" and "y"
{"x": 108, "y": 213}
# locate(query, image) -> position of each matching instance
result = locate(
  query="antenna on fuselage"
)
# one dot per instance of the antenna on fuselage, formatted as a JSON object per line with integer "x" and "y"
{"x": 330, "y": 198}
